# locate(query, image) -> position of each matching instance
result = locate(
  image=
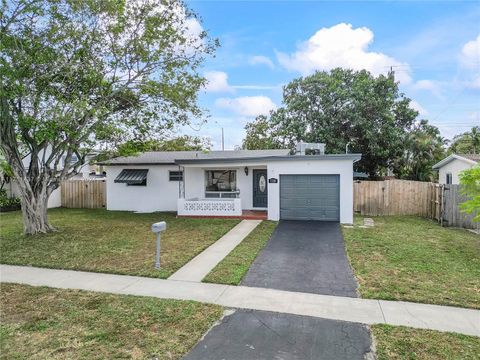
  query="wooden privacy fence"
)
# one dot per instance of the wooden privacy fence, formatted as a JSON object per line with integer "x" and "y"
{"x": 451, "y": 214}
{"x": 396, "y": 197}
{"x": 88, "y": 194}
{"x": 403, "y": 197}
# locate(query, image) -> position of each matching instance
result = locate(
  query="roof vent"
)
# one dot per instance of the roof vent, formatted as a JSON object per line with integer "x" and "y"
{"x": 303, "y": 148}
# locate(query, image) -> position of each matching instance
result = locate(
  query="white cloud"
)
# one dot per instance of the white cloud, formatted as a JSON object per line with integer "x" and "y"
{"x": 470, "y": 55}
{"x": 217, "y": 81}
{"x": 257, "y": 87}
{"x": 470, "y": 60}
{"x": 416, "y": 106}
{"x": 261, "y": 60}
{"x": 247, "y": 105}
{"x": 342, "y": 46}
{"x": 429, "y": 85}
{"x": 475, "y": 83}
{"x": 474, "y": 116}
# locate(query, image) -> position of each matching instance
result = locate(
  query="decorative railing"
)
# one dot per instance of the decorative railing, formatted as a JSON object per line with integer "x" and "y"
{"x": 222, "y": 194}
{"x": 210, "y": 207}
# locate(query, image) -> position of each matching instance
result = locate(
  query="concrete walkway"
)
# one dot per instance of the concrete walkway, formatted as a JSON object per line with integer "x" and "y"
{"x": 424, "y": 316}
{"x": 197, "y": 268}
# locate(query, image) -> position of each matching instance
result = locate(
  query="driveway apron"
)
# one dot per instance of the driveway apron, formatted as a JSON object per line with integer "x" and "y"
{"x": 255, "y": 335}
{"x": 304, "y": 256}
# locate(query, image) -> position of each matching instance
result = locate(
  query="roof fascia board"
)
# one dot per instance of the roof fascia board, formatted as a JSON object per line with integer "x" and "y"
{"x": 449, "y": 159}
{"x": 137, "y": 164}
{"x": 354, "y": 157}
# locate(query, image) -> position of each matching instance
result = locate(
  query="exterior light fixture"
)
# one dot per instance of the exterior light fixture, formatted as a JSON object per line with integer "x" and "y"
{"x": 246, "y": 170}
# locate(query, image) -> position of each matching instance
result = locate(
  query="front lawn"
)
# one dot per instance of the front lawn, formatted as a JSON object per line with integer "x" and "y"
{"x": 44, "y": 323}
{"x": 399, "y": 342}
{"x": 109, "y": 241}
{"x": 414, "y": 259}
{"x": 235, "y": 265}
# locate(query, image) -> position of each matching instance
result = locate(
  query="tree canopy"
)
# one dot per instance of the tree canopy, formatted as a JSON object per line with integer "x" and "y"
{"x": 77, "y": 72}
{"x": 467, "y": 142}
{"x": 423, "y": 147}
{"x": 337, "y": 108}
{"x": 470, "y": 181}
{"x": 261, "y": 134}
{"x": 180, "y": 143}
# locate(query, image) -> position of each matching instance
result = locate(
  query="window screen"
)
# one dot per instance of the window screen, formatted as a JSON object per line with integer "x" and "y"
{"x": 175, "y": 175}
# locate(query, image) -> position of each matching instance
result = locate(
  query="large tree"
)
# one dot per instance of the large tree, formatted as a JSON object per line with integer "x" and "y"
{"x": 76, "y": 72}
{"x": 467, "y": 142}
{"x": 179, "y": 143}
{"x": 343, "y": 107}
{"x": 260, "y": 134}
{"x": 423, "y": 146}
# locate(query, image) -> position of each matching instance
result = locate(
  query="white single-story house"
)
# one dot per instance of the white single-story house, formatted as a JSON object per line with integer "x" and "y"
{"x": 450, "y": 168}
{"x": 225, "y": 183}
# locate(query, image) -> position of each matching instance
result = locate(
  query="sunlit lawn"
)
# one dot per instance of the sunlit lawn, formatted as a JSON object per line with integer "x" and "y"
{"x": 109, "y": 241}
{"x": 414, "y": 259}
{"x": 399, "y": 342}
{"x": 43, "y": 323}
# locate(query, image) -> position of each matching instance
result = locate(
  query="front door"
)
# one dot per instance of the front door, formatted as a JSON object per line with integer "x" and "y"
{"x": 260, "y": 188}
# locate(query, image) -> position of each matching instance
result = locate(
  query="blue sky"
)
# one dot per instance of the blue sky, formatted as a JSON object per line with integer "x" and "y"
{"x": 433, "y": 46}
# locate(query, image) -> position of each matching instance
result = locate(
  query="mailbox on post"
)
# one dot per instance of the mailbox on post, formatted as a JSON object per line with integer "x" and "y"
{"x": 157, "y": 228}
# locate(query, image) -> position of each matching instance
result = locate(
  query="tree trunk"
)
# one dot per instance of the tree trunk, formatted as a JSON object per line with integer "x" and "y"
{"x": 35, "y": 218}
{"x": 34, "y": 201}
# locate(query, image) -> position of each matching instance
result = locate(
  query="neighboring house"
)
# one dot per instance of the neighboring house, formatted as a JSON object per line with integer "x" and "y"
{"x": 450, "y": 168}
{"x": 55, "y": 199}
{"x": 223, "y": 183}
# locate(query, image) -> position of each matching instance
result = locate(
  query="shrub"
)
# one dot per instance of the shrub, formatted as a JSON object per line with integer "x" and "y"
{"x": 8, "y": 202}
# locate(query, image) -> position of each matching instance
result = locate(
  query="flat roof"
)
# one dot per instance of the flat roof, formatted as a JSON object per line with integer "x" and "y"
{"x": 172, "y": 157}
{"x": 229, "y": 156}
{"x": 354, "y": 157}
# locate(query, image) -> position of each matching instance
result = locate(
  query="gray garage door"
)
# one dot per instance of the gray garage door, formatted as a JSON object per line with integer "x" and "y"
{"x": 310, "y": 197}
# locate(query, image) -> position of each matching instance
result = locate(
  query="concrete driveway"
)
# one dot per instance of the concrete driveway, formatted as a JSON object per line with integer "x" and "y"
{"x": 304, "y": 256}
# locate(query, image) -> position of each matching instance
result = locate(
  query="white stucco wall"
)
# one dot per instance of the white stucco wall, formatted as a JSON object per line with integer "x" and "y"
{"x": 160, "y": 194}
{"x": 455, "y": 167}
{"x": 55, "y": 199}
{"x": 344, "y": 168}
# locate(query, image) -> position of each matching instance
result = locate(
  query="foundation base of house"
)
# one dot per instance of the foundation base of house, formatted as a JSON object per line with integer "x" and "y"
{"x": 246, "y": 215}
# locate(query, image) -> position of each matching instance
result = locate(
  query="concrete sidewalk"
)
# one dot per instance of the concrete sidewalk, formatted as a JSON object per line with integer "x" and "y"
{"x": 197, "y": 268}
{"x": 424, "y": 316}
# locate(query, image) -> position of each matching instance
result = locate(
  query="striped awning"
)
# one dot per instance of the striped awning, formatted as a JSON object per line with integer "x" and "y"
{"x": 132, "y": 176}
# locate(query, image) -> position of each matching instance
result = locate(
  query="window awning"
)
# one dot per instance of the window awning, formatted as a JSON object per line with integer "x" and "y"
{"x": 132, "y": 176}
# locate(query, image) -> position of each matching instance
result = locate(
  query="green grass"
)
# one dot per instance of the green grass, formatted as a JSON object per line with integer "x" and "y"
{"x": 44, "y": 323}
{"x": 398, "y": 342}
{"x": 233, "y": 268}
{"x": 108, "y": 241}
{"x": 414, "y": 259}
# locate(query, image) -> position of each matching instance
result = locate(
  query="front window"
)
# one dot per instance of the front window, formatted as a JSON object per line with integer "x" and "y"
{"x": 448, "y": 179}
{"x": 219, "y": 183}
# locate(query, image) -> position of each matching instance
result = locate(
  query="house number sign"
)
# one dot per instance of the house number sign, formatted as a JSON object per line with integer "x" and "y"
{"x": 262, "y": 183}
